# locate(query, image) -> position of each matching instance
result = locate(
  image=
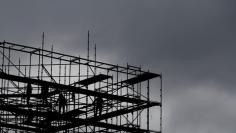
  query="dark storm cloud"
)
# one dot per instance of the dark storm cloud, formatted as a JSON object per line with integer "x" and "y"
{"x": 195, "y": 37}
{"x": 192, "y": 42}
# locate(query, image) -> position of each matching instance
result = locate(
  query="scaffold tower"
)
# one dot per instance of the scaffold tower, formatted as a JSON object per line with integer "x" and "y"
{"x": 46, "y": 91}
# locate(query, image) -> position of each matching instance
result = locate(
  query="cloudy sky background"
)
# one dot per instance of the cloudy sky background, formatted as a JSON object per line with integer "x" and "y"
{"x": 192, "y": 42}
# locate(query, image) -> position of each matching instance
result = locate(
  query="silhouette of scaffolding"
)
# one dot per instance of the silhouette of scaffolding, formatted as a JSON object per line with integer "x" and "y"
{"x": 47, "y": 91}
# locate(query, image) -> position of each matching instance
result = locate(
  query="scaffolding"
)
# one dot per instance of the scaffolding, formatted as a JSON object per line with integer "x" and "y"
{"x": 47, "y": 91}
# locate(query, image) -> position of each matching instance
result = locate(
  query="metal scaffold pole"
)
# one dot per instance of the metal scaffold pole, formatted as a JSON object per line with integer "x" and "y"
{"x": 161, "y": 101}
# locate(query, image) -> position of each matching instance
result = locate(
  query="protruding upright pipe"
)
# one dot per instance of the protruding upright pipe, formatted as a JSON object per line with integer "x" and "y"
{"x": 161, "y": 106}
{"x": 148, "y": 98}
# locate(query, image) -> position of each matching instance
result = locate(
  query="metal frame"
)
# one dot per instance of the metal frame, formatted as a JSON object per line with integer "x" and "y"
{"x": 32, "y": 85}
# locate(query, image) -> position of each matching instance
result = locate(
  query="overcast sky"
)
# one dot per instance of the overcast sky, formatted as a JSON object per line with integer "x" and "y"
{"x": 192, "y": 42}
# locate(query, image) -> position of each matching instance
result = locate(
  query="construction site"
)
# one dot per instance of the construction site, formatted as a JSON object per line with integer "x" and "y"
{"x": 47, "y": 91}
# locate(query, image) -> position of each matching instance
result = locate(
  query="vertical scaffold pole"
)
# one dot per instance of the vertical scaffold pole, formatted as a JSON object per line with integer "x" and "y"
{"x": 87, "y": 78}
{"x": 161, "y": 107}
{"x": 148, "y": 98}
{"x": 42, "y": 56}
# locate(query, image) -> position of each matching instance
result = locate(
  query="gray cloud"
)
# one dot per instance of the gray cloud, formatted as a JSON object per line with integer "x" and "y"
{"x": 191, "y": 42}
{"x": 206, "y": 109}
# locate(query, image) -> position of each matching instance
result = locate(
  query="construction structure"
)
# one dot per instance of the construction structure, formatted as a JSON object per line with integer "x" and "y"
{"x": 47, "y": 91}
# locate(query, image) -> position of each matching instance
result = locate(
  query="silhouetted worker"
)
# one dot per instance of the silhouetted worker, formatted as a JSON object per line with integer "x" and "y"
{"x": 98, "y": 103}
{"x": 30, "y": 117}
{"x": 44, "y": 92}
{"x": 73, "y": 96}
{"x": 62, "y": 102}
{"x": 28, "y": 92}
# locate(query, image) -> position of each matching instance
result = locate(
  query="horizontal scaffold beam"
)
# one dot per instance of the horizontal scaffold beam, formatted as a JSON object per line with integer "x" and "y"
{"x": 26, "y": 105}
{"x": 103, "y": 125}
{"x": 62, "y": 87}
{"x": 94, "y": 120}
{"x": 14, "y": 126}
{"x": 69, "y": 58}
{"x": 29, "y": 95}
{"x": 20, "y": 111}
{"x": 119, "y": 127}
{"x": 20, "y": 95}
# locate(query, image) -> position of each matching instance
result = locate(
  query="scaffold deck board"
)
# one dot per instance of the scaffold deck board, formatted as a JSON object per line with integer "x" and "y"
{"x": 141, "y": 78}
{"x": 94, "y": 79}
